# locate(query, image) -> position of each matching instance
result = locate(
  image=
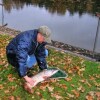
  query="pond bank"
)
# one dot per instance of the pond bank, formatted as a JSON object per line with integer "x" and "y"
{"x": 60, "y": 46}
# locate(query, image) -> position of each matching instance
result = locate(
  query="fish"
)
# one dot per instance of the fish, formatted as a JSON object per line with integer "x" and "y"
{"x": 41, "y": 76}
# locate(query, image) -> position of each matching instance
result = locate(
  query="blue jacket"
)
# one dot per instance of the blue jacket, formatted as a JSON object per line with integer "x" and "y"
{"x": 25, "y": 44}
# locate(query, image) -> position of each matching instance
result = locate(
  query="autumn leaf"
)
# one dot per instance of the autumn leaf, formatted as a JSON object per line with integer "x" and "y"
{"x": 63, "y": 86}
{"x": 39, "y": 94}
{"x": 53, "y": 80}
{"x": 1, "y": 86}
{"x": 68, "y": 78}
{"x": 97, "y": 95}
{"x": 91, "y": 77}
{"x": 50, "y": 88}
{"x": 65, "y": 67}
{"x": 6, "y": 91}
{"x": 96, "y": 84}
{"x": 57, "y": 96}
{"x": 44, "y": 85}
{"x": 89, "y": 97}
{"x": 72, "y": 85}
{"x": 18, "y": 98}
{"x": 69, "y": 60}
{"x": 81, "y": 89}
{"x": 76, "y": 93}
{"x": 13, "y": 88}
{"x": 88, "y": 83}
{"x": 11, "y": 98}
{"x": 0, "y": 62}
{"x": 10, "y": 78}
{"x": 70, "y": 95}
{"x": 83, "y": 80}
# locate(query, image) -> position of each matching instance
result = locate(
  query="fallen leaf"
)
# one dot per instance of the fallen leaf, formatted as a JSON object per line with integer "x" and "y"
{"x": 91, "y": 93}
{"x": 53, "y": 80}
{"x": 81, "y": 89}
{"x": 91, "y": 77}
{"x": 76, "y": 93}
{"x": 39, "y": 94}
{"x": 70, "y": 95}
{"x": 63, "y": 86}
{"x": 10, "y": 78}
{"x": 18, "y": 98}
{"x": 82, "y": 69}
{"x": 13, "y": 88}
{"x": 57, "y": 96}
{"x": 44, "y": 85}
{"x": 70, "y": 71}
{"x": 83, "y": 81}
{"x": 68, "y": 79}
{"x": 11, "y": 98}
{"x": 88, "y": 84}
{"x": 98, "y": 95}
{"x": 89, "y": 97}
{"x": 1, "y": 86}
{"x": 50, "y": 89}
{"x": 6, "y": 91}
{"x": 72, "y": 85}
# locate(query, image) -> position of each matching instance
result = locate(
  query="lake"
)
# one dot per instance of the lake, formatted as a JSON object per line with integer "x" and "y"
{"x": 72, "y": 21}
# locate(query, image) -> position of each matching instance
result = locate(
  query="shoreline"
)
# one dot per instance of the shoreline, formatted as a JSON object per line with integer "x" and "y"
{"x": 59, "y": 45}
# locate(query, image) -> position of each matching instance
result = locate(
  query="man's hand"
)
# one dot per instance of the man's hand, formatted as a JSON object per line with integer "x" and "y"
{"x": 29, "y": 80}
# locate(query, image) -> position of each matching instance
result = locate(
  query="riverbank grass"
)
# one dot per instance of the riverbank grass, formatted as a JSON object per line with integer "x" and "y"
{"x": 83, "y": 81}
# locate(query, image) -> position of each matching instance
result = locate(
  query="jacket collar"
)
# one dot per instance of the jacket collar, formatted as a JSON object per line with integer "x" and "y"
{"x": 35, "y": 34}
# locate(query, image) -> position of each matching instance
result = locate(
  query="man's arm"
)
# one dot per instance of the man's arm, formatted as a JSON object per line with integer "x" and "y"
{"x": 22, "y": 54}
{"x": 41, "y": 58}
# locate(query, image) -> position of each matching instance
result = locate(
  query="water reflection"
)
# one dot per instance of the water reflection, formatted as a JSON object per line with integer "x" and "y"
{"x": 72, "y": 21}
{"x": 57, "y": 6}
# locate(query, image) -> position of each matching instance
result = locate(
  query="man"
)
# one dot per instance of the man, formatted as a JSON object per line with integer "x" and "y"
{"x": 27, "y": 48}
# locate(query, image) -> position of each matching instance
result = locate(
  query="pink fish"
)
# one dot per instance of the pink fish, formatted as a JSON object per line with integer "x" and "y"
{"x": 39, "y": 78}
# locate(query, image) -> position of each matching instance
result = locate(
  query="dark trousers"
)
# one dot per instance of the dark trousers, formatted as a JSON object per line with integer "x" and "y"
{"x": 12, "y": 59}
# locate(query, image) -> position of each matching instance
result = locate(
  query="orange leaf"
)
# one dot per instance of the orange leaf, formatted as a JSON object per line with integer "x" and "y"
{"x": 11, "y": 98}
{"x": 97, "y": 94}
{"x": 57, "y": 96}
{"x": 89, "y": 97}
{"x": 70, "y": 71}
{"x": 18, "y": 98}
{"x": 1, "y": 86}
{"x": 92, "y": 78}
{"x": 10, "y": 78}
{"x": 44, "y": 85}
{"x": 76, "y": 93}
{"x": 68, "y": 79}
{"x": 39, "y": 94}
{"x": 72, "y": 85}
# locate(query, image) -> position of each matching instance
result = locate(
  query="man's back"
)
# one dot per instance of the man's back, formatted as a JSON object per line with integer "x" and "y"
{"x": 21, "y": 39}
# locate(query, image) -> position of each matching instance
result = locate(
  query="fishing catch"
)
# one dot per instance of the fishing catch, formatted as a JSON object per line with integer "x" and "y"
{"x": 45, "y": 74}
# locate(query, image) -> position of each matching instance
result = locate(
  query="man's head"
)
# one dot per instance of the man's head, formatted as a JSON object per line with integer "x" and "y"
{"x": 44, "y": 34}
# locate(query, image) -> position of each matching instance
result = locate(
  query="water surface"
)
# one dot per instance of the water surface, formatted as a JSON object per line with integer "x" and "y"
{"x": 71, "y": 22}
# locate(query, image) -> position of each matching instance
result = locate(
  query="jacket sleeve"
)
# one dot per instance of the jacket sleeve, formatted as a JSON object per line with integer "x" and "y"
{"x": 22, "y": 54}
{"x": 41, "y": 58}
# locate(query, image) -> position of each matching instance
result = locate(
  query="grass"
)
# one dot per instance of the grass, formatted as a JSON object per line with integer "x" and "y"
{"x": 83, "y": 77}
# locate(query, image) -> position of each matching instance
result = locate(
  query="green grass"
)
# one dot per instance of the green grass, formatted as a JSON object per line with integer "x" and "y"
{"x": 81, "y": 73}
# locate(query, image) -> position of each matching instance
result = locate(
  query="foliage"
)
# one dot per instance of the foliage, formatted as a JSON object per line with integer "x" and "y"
{"x": 83, "y": 81}
{"x": 57, "y": 6}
